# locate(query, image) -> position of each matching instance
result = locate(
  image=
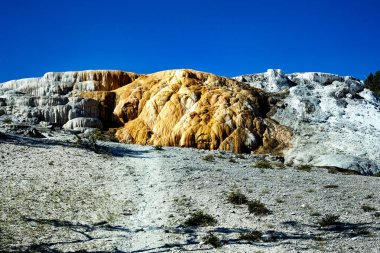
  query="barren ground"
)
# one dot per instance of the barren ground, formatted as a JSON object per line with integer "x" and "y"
{"x": 55, "y": 197}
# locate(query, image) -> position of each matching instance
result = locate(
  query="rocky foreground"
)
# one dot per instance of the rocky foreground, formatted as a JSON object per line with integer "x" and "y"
{"x": 58, "y": 195}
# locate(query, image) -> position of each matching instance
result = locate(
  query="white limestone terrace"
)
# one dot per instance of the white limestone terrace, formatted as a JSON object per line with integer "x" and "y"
{"x": 49, "y": 98}
{"x": 61, "y": 83}
{"x": 335, "y": 120}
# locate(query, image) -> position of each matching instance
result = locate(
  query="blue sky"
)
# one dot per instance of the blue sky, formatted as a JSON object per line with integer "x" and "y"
{"x": 224, "y": 37}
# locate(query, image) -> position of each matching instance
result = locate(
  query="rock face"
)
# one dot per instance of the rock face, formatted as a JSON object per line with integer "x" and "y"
{"x": 335, "y": 121}
{"x": 273, "y": 80}
{"x": 82, "y": 123}
{"x": 193, "y": 109}
{"x": 317, "y": 118}
{"x": 50, "y": 98}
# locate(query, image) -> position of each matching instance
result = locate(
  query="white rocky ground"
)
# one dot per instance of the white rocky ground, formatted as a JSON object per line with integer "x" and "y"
{"x": 55, "y": 197}
{"x": 335, "y": 121}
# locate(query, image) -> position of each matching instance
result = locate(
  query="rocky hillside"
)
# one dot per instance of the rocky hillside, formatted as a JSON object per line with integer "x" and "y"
{"x": 171, "y": 108}
{"x": 194, "y": 109}
{"x": 335, "y": 121}
{"x": 310, "y": 118}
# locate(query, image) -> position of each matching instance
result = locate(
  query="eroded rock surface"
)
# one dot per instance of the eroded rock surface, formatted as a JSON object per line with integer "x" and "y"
{"x": 50, "y": 98}
{"x": 189, "y": 108}
{"x": 336, "y": 122}
{"x": 326, "y": 119}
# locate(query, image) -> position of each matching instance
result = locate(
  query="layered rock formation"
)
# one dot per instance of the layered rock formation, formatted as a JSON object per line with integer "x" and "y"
{"x": 325, "y": 119}
{"x": 335, "y": 121}
{"x": 50, "y": 98}
{"x": 193, "y": 109}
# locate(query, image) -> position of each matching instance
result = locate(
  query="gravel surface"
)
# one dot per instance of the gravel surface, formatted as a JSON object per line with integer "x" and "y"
{"x": 56, "y": 197}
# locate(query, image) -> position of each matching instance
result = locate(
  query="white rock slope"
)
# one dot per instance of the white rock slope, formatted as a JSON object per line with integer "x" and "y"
{"x": 50, "y": 98}
{"x": 335, "y": 120}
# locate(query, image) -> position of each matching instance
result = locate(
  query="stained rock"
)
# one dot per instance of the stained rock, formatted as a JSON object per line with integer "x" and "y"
{"x": 189, "y": 108}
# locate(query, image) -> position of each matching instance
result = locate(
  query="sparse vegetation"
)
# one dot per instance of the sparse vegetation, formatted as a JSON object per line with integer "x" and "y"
{"x": 200, "y": 219}
{"x": 377, "y": 174}
{"x": 279, "y": 200}
{"x": 257, "y": 208}
{"x": 277, "y": 165}
{"x": 265, "y": 190}
{"x": 328, "y": 220}
{"x": 330, "y": 186}
{"x": 304, "y": 167}
{"x": 158, "y": 148}
{"x": 212, "y": 240}
{"x": 232, "y": 160}
{"x": 336, "y": 170}
{"x": 78, "y": 141}
{"x": 262, "y": 164}
{"x": 373, "y": 83}
{"x": 367, "y": 208}
{"x": 221, "y": 156}
{"x": 7, "y": 120}
{"x": 253, "y": 236}
{"x": 209, "y": 158}
{"x": 182, "y": 201}
{"x": 315, "y": 214}
{"x": 240, "y": 156}
{"x": 236, "y": 197}
{"x": 90, "y": 142}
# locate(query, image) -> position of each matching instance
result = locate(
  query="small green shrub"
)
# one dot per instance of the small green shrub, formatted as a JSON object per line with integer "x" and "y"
{"x": 330, "y": 186}
{"x": 257, "y": 208}
{"x": 277, "y": 165}
{"x": 159, "y": 148}
{"x": 377, "y": 174}
{"x": 209, "y": 158}
{"x": 316, "y": 214}
{"x": 367, "y": 208}
{"x": 212, "y": 240}
{"x": 200, "y": 219}
{"x": 362, "y": 231}
{"x": 232, "y": 160}
{"x": 328, "y": 220}
{"x": 240, "y": 156}
{"x": 263, "y": 164}
{"x": 279, "y": 200}
{"x": 182, "y": 201}
{"x": 8, "y": 120}
{"x": 78, "y": 140}
{"x": 236, "y": 197}
{"x": 336, "y": 170}
{"x": 304, "y": 167}
{"x": 252, "y": 236}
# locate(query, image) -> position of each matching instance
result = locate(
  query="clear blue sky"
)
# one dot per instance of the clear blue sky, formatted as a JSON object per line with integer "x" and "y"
{"x": 224, "y": 37}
